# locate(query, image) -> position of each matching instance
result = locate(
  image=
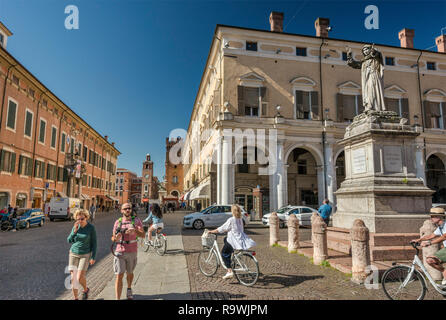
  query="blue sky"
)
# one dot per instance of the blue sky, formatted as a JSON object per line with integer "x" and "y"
{"x": 133, "y": 68}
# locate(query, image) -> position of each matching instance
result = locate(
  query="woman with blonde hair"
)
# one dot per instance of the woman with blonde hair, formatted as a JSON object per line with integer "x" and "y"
{"x": 235, "y": 240}
{"x": 82, "y": 251}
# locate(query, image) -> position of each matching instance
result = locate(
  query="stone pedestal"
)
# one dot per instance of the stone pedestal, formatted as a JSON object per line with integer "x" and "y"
{"x": 381, "y": 185}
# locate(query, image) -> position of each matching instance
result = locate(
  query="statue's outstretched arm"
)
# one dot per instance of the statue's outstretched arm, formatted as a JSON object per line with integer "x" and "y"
{"x": 352, "y": 62}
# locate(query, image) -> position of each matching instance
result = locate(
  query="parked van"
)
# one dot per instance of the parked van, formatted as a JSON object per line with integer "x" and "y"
{"x": 63, "y": 208}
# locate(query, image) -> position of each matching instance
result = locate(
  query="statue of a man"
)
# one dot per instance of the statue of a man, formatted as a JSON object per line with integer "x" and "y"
{"x": 371, "y": 77}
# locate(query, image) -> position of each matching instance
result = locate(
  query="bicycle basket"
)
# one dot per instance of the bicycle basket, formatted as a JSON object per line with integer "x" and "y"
{"x": 207, "y": 240}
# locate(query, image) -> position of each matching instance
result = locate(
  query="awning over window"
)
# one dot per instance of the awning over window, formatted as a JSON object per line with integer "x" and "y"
{"x": 201, "y": 192}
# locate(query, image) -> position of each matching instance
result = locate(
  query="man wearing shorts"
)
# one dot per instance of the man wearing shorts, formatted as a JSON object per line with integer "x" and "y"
{"x": 438, "y": 218}
{"x": 126, "y": 249}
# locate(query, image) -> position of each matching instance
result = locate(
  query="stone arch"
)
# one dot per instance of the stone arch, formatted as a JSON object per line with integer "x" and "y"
{"x": 305, "y": 181}
{"x": 436, "y": 175}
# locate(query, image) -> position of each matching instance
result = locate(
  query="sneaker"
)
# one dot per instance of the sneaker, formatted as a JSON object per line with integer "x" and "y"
{"x": 443, "y": 282}
{"x": 129, "y": 294}
{"x": 85, "y": 294}
{"x": 228, "y": 275}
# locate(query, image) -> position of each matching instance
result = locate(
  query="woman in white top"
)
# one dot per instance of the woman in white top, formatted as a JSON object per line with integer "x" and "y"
{"x": 236, "y": 238}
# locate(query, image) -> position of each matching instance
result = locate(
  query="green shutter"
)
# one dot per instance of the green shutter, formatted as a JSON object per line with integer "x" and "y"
{"x": 12, "y": 165}
{"x": 12, "y": 110}
{"x": 2, "y": 159}
{"x": 20, "y": 165}
{"x": 360, "y": 104}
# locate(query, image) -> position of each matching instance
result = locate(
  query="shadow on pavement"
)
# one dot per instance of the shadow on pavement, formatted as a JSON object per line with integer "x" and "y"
{"x": 283, "y": 280}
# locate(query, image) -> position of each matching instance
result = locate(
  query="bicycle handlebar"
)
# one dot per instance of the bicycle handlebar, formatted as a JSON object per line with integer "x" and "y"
{"x": 416, "y": 245}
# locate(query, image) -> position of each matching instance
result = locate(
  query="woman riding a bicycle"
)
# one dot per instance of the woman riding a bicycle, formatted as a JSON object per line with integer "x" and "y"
{"x": 235, "y": 240}
{"x": 156, "y": 218}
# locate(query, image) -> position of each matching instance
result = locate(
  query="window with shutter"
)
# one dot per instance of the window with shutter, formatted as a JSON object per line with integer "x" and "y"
{"x": 405, "y": 109}
{"x": 28, "y": 123}
{"x": 62, "y": 142}
{"x": 12, "y": 112}
{"x": 349, "y": 107}
{"x": 340, "y": 107}
{"x": 53, "y": 137}
{"x": 42, "y": 131}
{"x": 392, "y": 105}
{"x": 314, "y": 99}
{"x": 252, "y": 100}
{"x": 299, "y": 105}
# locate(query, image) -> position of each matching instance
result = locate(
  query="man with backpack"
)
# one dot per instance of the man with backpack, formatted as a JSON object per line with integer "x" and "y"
{"x": 125, "y": 231}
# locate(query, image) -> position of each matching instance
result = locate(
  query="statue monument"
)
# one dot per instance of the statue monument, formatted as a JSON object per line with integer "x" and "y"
{"x": 381, "y": 186}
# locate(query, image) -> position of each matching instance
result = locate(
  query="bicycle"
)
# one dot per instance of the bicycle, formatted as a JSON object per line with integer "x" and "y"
{"x": 244, "y": 264}
{"x": 407, "y": 281}
{"x": 159, "y": 243}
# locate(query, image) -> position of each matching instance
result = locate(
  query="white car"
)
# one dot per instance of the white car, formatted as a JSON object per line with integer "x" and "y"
{"x": 302, "y": 213}
{"x": 213, "y": 216}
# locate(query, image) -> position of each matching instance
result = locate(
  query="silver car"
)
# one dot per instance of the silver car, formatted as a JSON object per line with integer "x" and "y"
{"x": 213, "y": 216}
{"x": 302, "y": 213}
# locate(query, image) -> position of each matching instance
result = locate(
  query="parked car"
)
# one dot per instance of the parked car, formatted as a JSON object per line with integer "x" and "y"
{"x": 302, "y": 213}
{"x": 30, "y": 217}
{"x": 213, "y": 216}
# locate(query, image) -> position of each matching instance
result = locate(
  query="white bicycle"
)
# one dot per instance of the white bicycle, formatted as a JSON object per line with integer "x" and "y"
{"x": 403, "y": 282}
{"x": 244, "y": 263}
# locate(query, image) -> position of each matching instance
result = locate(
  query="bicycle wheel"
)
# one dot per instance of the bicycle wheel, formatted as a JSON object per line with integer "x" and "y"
{"x": 145, "y": 243}
{"x": 245, "y": 268}
{"x": 160, "y": 244}
{"x": 393, "y": 279}
{"x": 208, "y": 262}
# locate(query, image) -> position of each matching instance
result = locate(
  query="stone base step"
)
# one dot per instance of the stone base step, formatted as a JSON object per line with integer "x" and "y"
{"x": 387, "y": 253}
{"x": 340, "y": 245}
{"x": 392, "y": 239}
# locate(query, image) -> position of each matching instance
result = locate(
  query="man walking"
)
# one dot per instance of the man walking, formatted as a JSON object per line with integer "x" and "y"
{"x": 125, "y": 231}
{"x": 92, "y": 212}
{"x": 325, "y": 211}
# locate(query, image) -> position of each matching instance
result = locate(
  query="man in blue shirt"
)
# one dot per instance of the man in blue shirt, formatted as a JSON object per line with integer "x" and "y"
{"x": 325, "y": 211}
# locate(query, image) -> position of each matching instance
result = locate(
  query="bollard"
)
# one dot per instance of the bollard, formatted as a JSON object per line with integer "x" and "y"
{"x": 359, "y": 235}
{"x": 293, "y": 233}
{"x": 273, "y": 229}
{"x": 313, "y": 216}
{"x": 427, "y": 229}
{"x": 320, "y": 249}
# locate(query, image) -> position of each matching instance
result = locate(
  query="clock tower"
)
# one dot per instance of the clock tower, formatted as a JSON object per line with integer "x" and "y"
{"x": 147, "y": 178}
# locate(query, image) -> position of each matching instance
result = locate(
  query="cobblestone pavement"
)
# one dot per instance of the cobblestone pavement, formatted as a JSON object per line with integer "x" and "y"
{"x": 33, "y": 261}
{"x": 283, "y": 276}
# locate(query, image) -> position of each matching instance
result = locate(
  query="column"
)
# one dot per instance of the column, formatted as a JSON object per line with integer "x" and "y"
{"x": 272, "y": 192}
{"x": 281, "y": 177}
{"x": 219, "y": 172}
{"x": 420, "y": 161}
{"x": 227, "y": 167}
{"x": 320, "y": 184}
{"x": 330, "y": 172}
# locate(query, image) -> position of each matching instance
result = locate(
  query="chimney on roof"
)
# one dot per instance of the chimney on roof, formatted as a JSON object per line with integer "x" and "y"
{"x": 113, "y": 144}
{"x": 322, "y": 27}
{"x": 106, "y": 138}
{"x": 441, "y": 43}
{"x": 4, "y": 34}
{"x": 406, "y": 38}
{"x": 276, "y": 21}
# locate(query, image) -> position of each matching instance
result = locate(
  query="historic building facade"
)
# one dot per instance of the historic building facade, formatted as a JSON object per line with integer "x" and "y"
{"x": 300, "y": 88}
{"x": 173, "y": 179}
{"x": 149, "y": 183}
{"x": 46, "y": 149}
{"x": 124, "y": 185}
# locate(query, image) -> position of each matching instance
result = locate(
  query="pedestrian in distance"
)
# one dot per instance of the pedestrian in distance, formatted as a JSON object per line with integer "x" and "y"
{"x": 438, "y": 217}
{"x": 14, "y": 219}
{"x": 125, "y": 231}
{"x": 82, "y": 252}
{"x": 236, "y": 238}
{"x": 325, "y": 211}
{"x": 156, "y": 218}
{"x": 92, "y": 212}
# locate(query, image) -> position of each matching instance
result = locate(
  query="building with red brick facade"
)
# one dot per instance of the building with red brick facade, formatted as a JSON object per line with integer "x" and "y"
{"x": 46, "y": 149}
{"x": 124, "y": 185}
{"x": 173, "y": 179}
